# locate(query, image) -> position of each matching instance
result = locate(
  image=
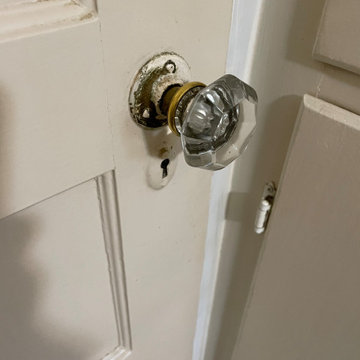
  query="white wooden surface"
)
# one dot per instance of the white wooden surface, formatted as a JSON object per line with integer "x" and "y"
{"x": 34, "y": 17}
{"x": 337, "y": 41}
{"x": 54, "y": 127}
{"x": 56, "y": 300}
{"x": 306, "y": 294}
{"x": 56, "y": 104}
{"x": 341, "y": 88}
{"x": 209, "y": 334}
{"x": 283, "y": 69}
{"x": 163, "y": 231}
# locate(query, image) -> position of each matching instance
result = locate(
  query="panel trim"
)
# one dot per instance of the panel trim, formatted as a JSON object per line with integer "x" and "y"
{"x": 246, "y": 15}
{"x": 336, "y": 41}
{"x": 33, "y": 17}
{"x": 109, "y": 209}
{"x": 118, "y": 354}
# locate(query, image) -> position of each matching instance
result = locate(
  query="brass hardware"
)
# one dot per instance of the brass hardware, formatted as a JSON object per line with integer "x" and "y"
{"x": 178, "y": 96}
{"x": 167, "y": 97}
{"x": 161, "y": 92}
{"x": 215, "y": 122}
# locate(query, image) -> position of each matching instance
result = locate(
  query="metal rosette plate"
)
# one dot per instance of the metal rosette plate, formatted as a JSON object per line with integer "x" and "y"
{"x": 159, "y": 74}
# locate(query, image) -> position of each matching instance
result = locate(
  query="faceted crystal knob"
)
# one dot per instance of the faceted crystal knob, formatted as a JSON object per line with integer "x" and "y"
{"x": 218, "y": 123}
{"x": 215, "y": 122}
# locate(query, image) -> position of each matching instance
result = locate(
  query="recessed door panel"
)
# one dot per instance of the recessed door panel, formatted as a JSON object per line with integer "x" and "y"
{"x": 54, "y": 128}
{"x": 338, "y": 35}
{"x": 56, "y": 300}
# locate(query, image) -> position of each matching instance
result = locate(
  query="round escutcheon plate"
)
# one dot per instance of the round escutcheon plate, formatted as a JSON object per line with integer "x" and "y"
{"x": 159, "y": 74}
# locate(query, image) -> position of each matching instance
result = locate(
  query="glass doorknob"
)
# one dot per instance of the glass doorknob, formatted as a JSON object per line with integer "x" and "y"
{"x": 215, "y": 122}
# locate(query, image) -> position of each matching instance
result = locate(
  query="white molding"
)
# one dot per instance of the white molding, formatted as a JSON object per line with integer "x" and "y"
{"x": 244, "y": 25}
{"x": 242, "y": 40}
{"x": 33, "y": 17}
{"x": 118, "y": 354}
{"x": 107, "y": 194}
{"x": 220, "y": 186}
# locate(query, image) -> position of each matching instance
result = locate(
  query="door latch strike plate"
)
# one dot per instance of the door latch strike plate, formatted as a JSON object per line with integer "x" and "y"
{"x": 264, "y": 208}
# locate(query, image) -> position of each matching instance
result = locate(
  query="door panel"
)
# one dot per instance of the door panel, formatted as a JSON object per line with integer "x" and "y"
{"x": 336, "y": 44}
{"x": 56, "y": 301}
{"x": 54, "y": 127}
{"x": 26, "y": 18}
{"x": 306, "y": 293}
{"x": 340, "y": 88}
{"x": 163, "y": 230}
{"x": 55, "y": 107}
{"x": 339, "y": 31}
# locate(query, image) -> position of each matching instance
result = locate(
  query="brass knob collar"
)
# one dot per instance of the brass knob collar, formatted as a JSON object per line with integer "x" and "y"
{"x": 176, "y": 100}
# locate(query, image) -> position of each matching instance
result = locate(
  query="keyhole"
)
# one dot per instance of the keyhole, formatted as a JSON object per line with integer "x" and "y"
{"x": 164, "y": 165}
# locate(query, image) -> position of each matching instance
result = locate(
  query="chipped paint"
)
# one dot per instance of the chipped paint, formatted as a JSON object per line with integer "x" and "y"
{"x": 34, "y": 17}
{"x": 161, "y": 72}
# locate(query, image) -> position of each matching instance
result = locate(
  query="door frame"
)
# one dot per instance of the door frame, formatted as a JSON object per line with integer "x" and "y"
{"x": 246, "y": 15}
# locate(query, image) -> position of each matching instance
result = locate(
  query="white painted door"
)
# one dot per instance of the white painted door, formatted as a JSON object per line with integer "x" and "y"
{"x": 304, "y": 302}
{"x": 306, "y": 295}
{"x": 94, "y": 263}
